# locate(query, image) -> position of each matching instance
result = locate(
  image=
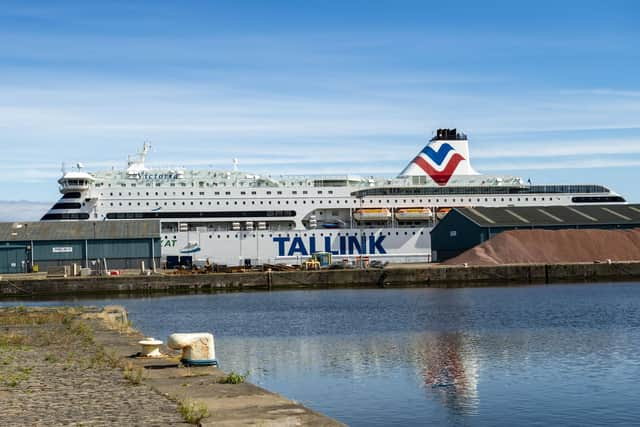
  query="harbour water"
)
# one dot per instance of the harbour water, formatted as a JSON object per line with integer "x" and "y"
{"x": 531, "y": 355}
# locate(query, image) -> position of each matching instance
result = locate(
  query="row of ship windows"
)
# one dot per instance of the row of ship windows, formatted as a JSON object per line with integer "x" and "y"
{"x": 200, "y": 184}
{"x": 295, "y": 202}
{"x": 217, "y": 193}
{"x": 389, "y": 233}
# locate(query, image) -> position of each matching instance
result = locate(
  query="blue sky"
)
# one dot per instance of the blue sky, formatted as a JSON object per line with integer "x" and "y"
{"x": 547, "y": 90}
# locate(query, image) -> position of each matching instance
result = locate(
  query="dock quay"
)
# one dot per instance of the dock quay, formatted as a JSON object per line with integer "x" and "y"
{"x": 62, "y": 366}
{"x": 399, "y": 275}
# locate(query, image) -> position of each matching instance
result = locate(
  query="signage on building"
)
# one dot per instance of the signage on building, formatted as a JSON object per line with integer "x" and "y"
{"x": 62, "y": 249}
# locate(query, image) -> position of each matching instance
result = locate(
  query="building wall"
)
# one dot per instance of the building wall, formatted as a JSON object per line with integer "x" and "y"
{"x": 453, "y": 235}
{"x": 119, "y": 253}
{"x": 13, "y": 258}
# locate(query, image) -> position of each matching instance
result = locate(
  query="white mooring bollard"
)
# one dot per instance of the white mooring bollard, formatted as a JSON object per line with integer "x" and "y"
{"x": 151, "y": 347}
{"x": 198, "y": 349}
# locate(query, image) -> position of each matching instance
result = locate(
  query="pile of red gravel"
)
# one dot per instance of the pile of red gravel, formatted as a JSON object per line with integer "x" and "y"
{"x": 554, "y": 246}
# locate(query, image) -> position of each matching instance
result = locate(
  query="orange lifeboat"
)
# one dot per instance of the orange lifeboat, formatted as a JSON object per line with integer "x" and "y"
{"x": 442, "y": 212}
{"x": 372, "y": 214}
{"x": 413, "y": 214}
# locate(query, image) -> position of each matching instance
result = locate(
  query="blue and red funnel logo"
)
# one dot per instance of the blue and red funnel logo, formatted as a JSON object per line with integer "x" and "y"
{"x": 439, "y": 165}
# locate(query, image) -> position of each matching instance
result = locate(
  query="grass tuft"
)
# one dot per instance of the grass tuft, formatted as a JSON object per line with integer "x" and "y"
{"x": 233, "y": 378}
{"x": 193, "y": 412}
{"x": 135, "y": 375}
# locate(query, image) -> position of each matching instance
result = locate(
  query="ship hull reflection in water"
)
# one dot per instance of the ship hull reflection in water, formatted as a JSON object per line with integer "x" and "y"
{"x": 450, "y": 370}
{"x": 541, "y": 355}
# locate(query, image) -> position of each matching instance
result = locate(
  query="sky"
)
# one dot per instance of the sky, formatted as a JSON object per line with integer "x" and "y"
{"x": 546, "y": 90}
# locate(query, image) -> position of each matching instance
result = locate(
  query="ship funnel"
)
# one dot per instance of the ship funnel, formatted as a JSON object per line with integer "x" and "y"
{"x": 446, "y": 155}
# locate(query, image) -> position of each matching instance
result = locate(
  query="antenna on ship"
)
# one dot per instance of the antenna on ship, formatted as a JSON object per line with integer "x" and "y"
{"x": 235, "y": 164}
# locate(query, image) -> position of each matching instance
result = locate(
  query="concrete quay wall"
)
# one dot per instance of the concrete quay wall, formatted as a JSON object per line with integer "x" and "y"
{"x": 423, "y": 275}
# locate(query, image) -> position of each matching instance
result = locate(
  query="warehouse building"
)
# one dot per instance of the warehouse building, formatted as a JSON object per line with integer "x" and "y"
{"x": 38, "y": 246}
{"x": 463, "y": 228}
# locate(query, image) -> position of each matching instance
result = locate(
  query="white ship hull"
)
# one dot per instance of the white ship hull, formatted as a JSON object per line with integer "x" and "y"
{"x": 292, "y": 247}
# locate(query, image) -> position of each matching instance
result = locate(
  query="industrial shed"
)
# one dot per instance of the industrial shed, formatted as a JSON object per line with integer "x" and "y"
{"x": 122, "y": 244}
{"x": 464, "y": 228}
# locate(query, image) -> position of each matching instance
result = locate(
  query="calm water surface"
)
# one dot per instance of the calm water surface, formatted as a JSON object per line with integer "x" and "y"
{"x": 536, "y": 355}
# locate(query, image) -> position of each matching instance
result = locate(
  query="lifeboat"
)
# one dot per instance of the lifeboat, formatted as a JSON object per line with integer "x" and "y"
{"x": 413, "y": 214}
{"x": 372, "y": 214}
{"x": 441, "y": 212}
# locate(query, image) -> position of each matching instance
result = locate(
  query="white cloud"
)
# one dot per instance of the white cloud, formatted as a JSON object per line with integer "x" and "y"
{"x": 561, "y": 164}
{"x": 22, "y": 210}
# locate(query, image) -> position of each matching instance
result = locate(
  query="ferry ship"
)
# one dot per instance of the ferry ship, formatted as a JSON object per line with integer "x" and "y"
{"x": 237, "y": 218}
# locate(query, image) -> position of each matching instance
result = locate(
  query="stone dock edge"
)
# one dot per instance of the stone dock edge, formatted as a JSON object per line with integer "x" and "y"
{"x": 199, "y": 395}
{"x": 400, "y": 275}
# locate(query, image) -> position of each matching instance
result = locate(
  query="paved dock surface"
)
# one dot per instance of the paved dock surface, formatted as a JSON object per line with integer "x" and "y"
{"x": 58, "y": 369}
{"x": 52, "y": 373}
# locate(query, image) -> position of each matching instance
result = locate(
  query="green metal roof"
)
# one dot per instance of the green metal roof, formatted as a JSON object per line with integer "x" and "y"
{"x": 78, "y": 230}
{"x": 539, "y": 216}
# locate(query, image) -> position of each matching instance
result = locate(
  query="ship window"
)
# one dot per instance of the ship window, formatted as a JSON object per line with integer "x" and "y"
{"x": 268, "y": 192}
{"x": 65, "y": 216}
{"x": 66, "y": 206}
{"x": 279, "y": 192}
{"x": 295, "y": 192}
{"x": 73, "y": 195}
{"x": 253, "y": 192}
{"x": 305, "y": 192}
{"x": 217, "y": 193}
{"x": 243, "y": 193}
{"x": 201, "y": 193}
{"x": 319, "y": 191}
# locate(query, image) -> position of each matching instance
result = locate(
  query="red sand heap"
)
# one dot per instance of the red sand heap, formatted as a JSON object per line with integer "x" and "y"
{"x": 554, "y": 246}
